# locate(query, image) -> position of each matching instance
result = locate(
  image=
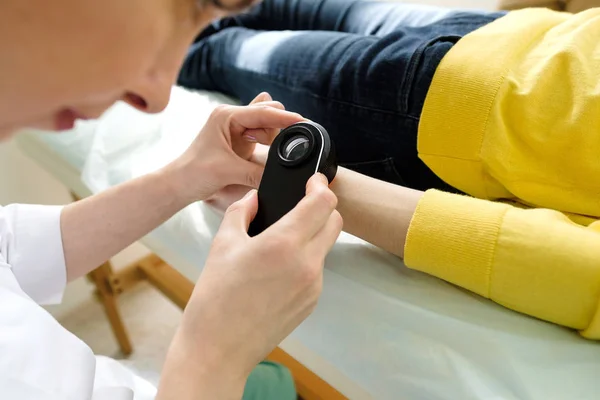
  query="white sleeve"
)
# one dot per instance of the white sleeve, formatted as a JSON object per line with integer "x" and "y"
{"x": 40, "y": 360}
{"x": 31, "y": 243}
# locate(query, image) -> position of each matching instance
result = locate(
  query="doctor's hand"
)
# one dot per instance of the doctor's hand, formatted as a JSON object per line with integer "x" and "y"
{"x": 225, "y": 197}
{"x": 253, "y": 292}
{"x": 223, "y": 153}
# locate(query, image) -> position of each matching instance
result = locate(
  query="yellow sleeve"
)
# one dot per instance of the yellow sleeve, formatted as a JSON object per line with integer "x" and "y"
{"x": 535, "y": 261}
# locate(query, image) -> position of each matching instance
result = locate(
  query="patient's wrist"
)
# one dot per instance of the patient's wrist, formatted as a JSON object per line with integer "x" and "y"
{"x": 376, "y": 211}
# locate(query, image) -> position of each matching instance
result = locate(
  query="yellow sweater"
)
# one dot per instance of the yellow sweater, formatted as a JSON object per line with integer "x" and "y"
{"x": 513, "y": 115}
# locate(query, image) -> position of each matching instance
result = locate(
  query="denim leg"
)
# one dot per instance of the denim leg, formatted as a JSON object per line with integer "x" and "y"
{"x": 358, "y": 87}
{"x": 362, "y": 17}
{"x": 368, "y": 91}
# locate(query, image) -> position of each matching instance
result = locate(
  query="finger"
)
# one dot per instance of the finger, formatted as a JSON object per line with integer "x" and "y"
{"x": 261, "y": 135}
{"x": 264, "y": 96}
{"x": 247, "y": 173}
{"x": 324, "y": 240}
{"x": 263, "y": 117}
{"x": 313, "y": 211}
{"x": 239, "y": 215}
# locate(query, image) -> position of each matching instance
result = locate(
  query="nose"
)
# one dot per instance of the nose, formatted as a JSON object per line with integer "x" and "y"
{"x": 150, "y": 93}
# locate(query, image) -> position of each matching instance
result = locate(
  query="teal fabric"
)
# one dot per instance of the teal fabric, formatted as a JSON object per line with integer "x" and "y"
{"x": 270, "y": 381}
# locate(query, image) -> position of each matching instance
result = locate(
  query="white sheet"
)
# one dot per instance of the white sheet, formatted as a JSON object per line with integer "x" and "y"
{"x": 392, "y": 332}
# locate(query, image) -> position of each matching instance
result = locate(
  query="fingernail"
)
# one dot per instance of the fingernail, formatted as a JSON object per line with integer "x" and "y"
{"x": 250, "y": 138}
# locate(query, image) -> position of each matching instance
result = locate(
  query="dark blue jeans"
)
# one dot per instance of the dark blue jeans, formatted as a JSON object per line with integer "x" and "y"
{"x": 362, "y": 69}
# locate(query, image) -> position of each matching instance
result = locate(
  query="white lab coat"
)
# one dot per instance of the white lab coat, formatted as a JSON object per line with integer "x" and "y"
{"x": 39, "y": 359}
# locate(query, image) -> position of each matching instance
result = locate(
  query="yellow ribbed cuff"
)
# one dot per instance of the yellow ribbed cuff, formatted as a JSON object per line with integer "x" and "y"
{"x": 454, "y": 237}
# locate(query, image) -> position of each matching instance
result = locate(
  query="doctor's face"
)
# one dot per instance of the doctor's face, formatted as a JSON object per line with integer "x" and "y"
{"x": 66, "y": 59}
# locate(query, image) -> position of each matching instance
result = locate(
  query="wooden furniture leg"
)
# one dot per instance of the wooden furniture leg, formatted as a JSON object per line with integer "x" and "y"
{"x": 167, "y": 280}
{"x": 108, "y": 298}
{"x": 308, "y": 385}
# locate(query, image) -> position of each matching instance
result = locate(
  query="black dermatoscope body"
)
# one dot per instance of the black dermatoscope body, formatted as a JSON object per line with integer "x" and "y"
{"x": 297, "y": 153}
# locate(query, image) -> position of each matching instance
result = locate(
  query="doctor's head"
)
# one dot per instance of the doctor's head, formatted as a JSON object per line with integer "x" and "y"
{"x": 67, "y": 59}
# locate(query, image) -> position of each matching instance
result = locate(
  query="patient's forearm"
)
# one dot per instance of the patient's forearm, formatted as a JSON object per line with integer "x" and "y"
{"x": 95, "y": 229}
{"x": 375, "y": 211}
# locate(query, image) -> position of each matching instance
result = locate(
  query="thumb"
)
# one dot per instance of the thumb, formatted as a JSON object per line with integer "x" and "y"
{"x": 239, "y": 215}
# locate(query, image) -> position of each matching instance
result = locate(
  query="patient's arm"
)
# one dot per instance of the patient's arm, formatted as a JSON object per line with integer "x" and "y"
{"x": 375, "y": 211}
{"x": 536, "y": 261}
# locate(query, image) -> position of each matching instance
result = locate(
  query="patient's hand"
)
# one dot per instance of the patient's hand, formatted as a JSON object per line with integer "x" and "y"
{"x": 225, "y": 155}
